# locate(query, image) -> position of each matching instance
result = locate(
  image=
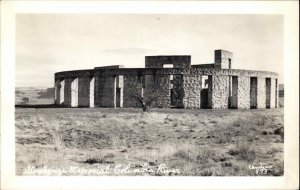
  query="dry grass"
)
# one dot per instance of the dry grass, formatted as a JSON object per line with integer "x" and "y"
{"x": 198, "y": 142}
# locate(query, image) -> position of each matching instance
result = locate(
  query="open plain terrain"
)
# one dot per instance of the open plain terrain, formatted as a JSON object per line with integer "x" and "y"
{"x": 194, "y": 142}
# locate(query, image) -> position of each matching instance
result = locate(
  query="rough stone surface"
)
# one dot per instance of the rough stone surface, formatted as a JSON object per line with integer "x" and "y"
{"x": 74, "y": 92}
{"x": 222, "y": 59}
{"x": 67, "y": 92}
{"x": 220, "y": 92}
{"x": 92, "y": 92}
{"x": 178, "y": 91}
{"x": 115, "y": 86}
{"x": 253, "y": 92}
{"x": 183, "y": 61}
{"x": 235, "y": 92}
{"x": 84, "y": 91}
{"x": 268, "y": 92}
{"x": 105, "y": 91}
{"x": 261, "y": 93}
{"x": 120, "y": 86}
{"x": 273, "y": 93}
{"x": 243, "y": 92}
{"x": 162, "y": 82}
{"x": 192, "y": 91}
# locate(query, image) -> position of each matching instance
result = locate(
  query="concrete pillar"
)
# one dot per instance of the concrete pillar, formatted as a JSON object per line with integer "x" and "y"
{"x": 84, "y": 91}
{"x": 71, "y": 92}
{"x": 220, "y": 89}
{"x": 92, "y": 92}
{"x": 273, "y": 93}
{"x": 97, "y": 90}
{"x": 253, "y": 92}
{"x": 162, "y": 82}
{"x": 119, "y": 91}
{"x": 67, "y": 92}
{"x": 74, "y": 92}
{"x": 261, "y": 92}
{"x": 276, "y": 93}
{"x": 192, "y": 91}
{"x": 268, "y": 93}
{"x": 178, "y": 90}
{"x": 59, "y": 91}
{"x": 243, "y": 92}
{"x": 234, "y": 94}
{"x": 105, "y": 86}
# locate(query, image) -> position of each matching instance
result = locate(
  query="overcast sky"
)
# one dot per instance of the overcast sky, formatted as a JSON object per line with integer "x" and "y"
{"x": 49, "y": 43}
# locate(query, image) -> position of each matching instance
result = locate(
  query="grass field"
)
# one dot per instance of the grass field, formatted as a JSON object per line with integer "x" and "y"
{"x": 194, "y": 142}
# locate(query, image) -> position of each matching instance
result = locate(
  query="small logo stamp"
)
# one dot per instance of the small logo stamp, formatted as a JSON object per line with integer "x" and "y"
{"x": 261, "y": 168}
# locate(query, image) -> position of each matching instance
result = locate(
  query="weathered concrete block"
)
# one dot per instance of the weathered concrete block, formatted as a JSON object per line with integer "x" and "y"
{"x": 162, "y": 82}
{"x": 273, "y": 93}
{"x": 220, "y": 89}
{"x": 92, "y": 92}
{"x": 74, "y": 92}
{"x": 192, "y": 91}
{"x": 178, "y": 61}
{"x": 223, "y": 59}
{"x": 234, "y": 93}
{"x": 243, "y": 92}
{"x": 71, "y": 92}
{"x": 119, "y": 91}
{"x": 268, "y": 93}
{"x": 84, "y": 91}
{"x": 106, "y": 91}
{"x": 59, "y": 91}
{"x": 178, "y": 91}
{"x": 67, "y": 92}
{"x": 261, "y": 92}
{"x": 253, "y": 92}
{"x": 210, "y": 92}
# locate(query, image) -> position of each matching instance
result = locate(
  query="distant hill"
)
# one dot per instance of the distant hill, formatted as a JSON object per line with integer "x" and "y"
{"x": 48, "y": 93}
{"x": 35, "y": 95}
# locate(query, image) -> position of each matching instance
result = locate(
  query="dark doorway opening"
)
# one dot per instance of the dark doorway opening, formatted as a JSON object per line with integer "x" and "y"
{"x": 205, "y": 85}
{"x": 204, "y": 98}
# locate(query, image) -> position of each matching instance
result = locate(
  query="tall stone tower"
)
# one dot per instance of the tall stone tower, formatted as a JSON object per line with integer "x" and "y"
{"x": 223, "y": 59}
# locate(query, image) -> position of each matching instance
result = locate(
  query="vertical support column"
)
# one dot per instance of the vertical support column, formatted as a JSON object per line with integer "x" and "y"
{"x": 92, "y": 92}
{"x": 268, "y": 92}
{"x": 234, "y": 96}
{"x": 71, "y": 92}
{"x": 210, "y": 92}
{"x": 192, "y": 91}
{"x": 97, "y": 90}
{"x": 74, "y": 92}
{"x": 276, "y": 93}
{"x": 261, "y": 92}
{"x": 58, "y": 90}
{"x": 243, "y": 92}
{"x": 253, "y": 92}
{"x": 62, "y": 92}
{"x": 119, "y": 91}
{"x": 84, "y": 91}
{"x": 220, "y": 90}
{"x": 162, "y": 83}
{"x": 67, "y": 92}
{"x": 273, "y": 93}
{"x": 106, "y": 91}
